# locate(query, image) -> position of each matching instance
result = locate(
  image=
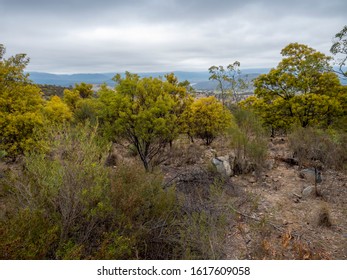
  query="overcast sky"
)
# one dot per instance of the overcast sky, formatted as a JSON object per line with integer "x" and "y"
{"x": 90, "y": 36}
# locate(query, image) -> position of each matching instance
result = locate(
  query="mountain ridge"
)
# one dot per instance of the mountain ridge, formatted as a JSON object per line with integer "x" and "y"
{"x": 194, "y": 77}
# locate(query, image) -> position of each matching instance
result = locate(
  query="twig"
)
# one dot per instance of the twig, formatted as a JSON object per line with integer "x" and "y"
{"x": 298, "y": 196}
{"x": 254, "y": 218}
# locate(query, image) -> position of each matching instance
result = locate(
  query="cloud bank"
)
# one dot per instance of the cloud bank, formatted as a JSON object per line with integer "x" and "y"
{"x": 114, "y": 36}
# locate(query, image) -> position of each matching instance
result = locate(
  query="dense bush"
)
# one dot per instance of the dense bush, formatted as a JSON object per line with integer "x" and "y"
{"x": 66, "y": 204}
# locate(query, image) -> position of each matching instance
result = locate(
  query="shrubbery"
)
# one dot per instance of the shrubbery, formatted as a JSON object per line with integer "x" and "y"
{"x": 313, "y": 146}
{"x": 248, "y": 141}
{"x": 67, "y": 204}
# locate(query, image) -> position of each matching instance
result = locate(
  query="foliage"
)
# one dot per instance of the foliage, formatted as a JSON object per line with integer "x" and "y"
{"x": 202, "y": 235}
{"x": 339, "y": 50}
{"x": 206, "y": 118}
{"x": 57, "y": 111}
{"x": 87, "y": 110}
{"x": 302, "y": 90}
{"x": 324, "y": 216}
{"x": 147, "y": 113}
{"x": 84, "y": 90}
{"x": 67, "y": 205}
{"x": 71, "y": 97}
{"x": 79, "y": 92}
{"x": 20, "y": 106}
{"x": 52, "y": 90}
{"x": 248, "y": 141}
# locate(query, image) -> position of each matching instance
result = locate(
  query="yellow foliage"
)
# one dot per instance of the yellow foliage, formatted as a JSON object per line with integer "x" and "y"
{"x": 207, "y": 118}
{"x": 301, "y": 91}
{"x": 21, "y": 104}
{"x": 57, "y": 111}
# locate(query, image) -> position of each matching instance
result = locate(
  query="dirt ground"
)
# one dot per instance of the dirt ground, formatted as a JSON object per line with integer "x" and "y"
{"x": 272, "y": 219}
{"x": 284, "y": 224}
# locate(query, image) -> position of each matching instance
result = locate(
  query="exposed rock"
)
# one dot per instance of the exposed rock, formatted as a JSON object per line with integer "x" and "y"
{"x": 222, "y": 165}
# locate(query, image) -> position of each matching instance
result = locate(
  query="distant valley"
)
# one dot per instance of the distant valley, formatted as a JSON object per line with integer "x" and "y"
{"x": 199, "y": 80}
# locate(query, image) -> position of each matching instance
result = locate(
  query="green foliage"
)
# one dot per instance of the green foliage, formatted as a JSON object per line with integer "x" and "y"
{"x": 67, "y": 205}
{"x": 146, "y": 112}
{"x": 71, "y": 97}
{"x": 20, "y": 106}
{"x": 248, "y": 141}
{"x": 302, "y": 91}
{"x": 52, "y": 90}
{"x": 87, "y": 110}
{"x": 206, "y": 118}
{"x": 79, "y": 92}
{"x": 107, "y": 111}
{"x": 84, "y": 90}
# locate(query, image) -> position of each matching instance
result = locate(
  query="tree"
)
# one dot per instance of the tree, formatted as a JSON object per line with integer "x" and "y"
{"x": 79, "y": 92}
{"x": 302, "y": 89}
{"x": 21, "y": 106}
{"x": 229, "y": 80}
{"x": 207, "y": 118}
{"x": 339, "y": 50}
{"x": 87, "y": 110}
{"x": 147, "y": 113}
{"x": 71, "y": 98}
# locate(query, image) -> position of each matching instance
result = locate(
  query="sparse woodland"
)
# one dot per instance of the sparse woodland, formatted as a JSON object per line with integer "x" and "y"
{"x": 146, "y": 170}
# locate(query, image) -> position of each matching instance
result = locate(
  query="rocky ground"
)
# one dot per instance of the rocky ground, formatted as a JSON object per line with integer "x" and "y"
{"x": 276, "y": 214}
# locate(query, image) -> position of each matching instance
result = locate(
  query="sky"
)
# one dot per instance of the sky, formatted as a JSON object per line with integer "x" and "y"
{"x": 95, "y": 36}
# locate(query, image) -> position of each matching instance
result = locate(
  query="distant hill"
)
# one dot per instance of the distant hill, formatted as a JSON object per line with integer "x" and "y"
{"x": 198, "y": 79}
{"x": 69, "y": 80}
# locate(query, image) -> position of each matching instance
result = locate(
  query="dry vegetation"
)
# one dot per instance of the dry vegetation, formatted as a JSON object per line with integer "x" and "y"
{"x": 185, "y": 209}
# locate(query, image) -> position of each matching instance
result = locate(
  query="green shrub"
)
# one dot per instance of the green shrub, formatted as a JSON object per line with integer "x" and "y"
{"x": 248, "y": 141}
{"x": 66, "y": 204}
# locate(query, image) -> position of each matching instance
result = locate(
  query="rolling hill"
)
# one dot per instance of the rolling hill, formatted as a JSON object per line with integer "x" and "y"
{"x": 198, "y": 79}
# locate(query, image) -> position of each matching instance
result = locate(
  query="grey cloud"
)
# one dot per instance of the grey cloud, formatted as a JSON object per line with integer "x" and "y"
{"x": 97, "y": 36}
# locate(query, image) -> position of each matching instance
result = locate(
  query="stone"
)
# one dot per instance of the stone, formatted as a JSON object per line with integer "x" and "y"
{"x": 222, "y": 165}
